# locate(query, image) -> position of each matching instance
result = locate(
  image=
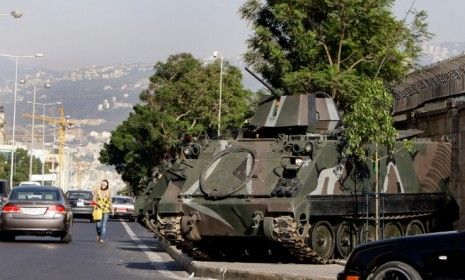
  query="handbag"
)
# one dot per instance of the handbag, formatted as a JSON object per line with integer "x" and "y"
{"x": 97, "y": 214}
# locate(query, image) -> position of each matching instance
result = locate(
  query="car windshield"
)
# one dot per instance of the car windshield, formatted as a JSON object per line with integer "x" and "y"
{"x": 122, "y": 200}
{"x": 28, "y": 194}
{"x": 80, "y": 195}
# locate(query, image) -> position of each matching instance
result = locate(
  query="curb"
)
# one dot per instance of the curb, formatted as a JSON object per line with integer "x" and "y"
{"x": 203, "y": 270}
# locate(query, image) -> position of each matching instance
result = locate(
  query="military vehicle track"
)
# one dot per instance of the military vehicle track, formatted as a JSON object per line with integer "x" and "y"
{"x": 286, "y": 232}
{"x": 170, "y": 230}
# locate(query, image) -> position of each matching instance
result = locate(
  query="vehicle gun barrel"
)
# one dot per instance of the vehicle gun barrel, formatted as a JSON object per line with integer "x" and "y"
{"x": 273, "y": 91}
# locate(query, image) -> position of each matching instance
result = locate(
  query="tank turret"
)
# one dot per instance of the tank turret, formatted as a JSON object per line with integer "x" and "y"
{"x": 294, "y": 114}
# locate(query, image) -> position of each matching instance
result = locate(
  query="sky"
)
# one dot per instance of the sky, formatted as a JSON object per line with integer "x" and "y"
{"x": 78, "y": 33}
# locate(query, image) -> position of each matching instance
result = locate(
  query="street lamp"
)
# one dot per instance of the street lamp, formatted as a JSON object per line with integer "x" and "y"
{"x": 45, "y": 85}
{"x": 43, "y": 134}
{"x": 216, "y": 54}
{"x": 14, "y": 14}
{"x": 17, "y": 57}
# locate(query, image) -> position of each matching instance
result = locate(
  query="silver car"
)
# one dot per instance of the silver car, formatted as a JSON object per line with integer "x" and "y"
{"x": 36, "y": 210}
{"x": 123, "y": 207}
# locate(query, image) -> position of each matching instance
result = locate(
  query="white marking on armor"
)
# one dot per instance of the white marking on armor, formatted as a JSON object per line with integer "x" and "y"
{"x": 271, "y": 120}
{"x": 191, "y": 190}
{"x": 152, "y": 256}
{"x": 206, "y": 211}
{"x": 329, "y": 173}
{"x": 386, "y": 179}
{"x": 332, "y": 113}
{"x": 248, "y": 169}
{"x": 196, "y": 185}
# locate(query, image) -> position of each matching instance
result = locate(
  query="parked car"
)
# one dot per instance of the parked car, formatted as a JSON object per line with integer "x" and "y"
{"x": 81, "y": 203}
{"x": 421, "y": 257}
{"x": 36, "y": 210}
{"x": 123, "y": 207}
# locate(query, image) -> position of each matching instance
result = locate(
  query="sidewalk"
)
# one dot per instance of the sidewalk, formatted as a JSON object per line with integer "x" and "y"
{"x": 256, "y": 271}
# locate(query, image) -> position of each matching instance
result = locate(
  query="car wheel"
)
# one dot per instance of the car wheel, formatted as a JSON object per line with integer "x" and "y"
{"x": 396, "y": 270}
{"x": 91, "y": 220}
{"x": 66, "y": 238}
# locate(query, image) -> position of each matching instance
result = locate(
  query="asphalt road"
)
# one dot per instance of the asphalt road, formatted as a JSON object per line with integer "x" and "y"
{"x": 129, "y": 252}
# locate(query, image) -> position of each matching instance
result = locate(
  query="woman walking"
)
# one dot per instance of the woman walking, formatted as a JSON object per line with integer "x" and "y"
{"x": 103, "y": 202}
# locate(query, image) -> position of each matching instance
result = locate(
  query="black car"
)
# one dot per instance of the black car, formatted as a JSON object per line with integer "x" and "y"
{"x": 430, "y": 256}
{"x": 82, "y": 203}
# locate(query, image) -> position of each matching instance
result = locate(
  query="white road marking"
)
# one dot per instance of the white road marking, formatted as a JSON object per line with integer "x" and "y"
{"x": 153, "y": 257}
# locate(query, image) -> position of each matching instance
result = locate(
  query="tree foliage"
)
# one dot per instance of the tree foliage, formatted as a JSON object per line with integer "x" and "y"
{"x": 180, "y": 101}
{"x": 21, "y": 171}
{"x": 314, "y": 45}
{"x": 343, "y": 47}
{"x": 369, "y": 117}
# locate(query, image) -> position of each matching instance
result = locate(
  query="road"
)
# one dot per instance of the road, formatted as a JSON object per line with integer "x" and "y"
{"x": 129, "y": 252}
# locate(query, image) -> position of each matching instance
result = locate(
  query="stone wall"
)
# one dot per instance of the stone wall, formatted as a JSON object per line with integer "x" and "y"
{"x": 457, "y": 123}
{"x": 446, "y": 123}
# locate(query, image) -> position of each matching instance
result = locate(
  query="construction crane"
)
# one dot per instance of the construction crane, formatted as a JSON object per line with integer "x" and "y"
{"x": 63, "y": 123}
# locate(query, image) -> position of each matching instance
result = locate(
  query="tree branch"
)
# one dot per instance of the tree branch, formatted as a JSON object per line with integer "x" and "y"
{"x": 356, "y": 63}
{"x": 339, "y": 51}
{"x": 193, "y": 123}
{"x": 330, "y": 60}
{"x": 182, "y": 115}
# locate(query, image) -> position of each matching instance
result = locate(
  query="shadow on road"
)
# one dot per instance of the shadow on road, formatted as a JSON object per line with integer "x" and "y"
{"x": 170, "y": 265}
{"x": 41, "y": 241}
{"x": 135, "y": 249}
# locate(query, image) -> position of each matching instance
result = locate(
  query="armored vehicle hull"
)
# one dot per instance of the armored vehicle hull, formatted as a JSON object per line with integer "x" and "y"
{"x": 248, "y": 192}
{"x": 287, "y": 187}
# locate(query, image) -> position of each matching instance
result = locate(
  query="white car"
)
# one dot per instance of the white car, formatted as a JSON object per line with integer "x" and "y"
{"x": 123, "y": 207}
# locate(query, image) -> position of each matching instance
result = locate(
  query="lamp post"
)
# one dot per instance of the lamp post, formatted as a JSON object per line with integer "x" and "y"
{"x": 216, "y": 54}
{"x": 53, "y": 149}
{"x": 45, "y": 85}
{"x": 43, "y": 134}
{"x": 17, "y": 57}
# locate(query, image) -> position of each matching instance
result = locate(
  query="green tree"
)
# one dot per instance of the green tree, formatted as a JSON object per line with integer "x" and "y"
{"x": 181, "y": 101}
{"x": 314, "y": 45}
{"x": 349, "y": 48}
{"x": 3, "y": 167}
{"x": 21, "y": 171}
{"x": 369, "y": 117}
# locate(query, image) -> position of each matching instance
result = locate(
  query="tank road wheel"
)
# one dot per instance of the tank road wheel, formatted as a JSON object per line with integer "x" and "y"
{"x": 392, "y": 230}
{"x": 415, "y": 227}
{"x": 396, "y": 271}
{"x": 322, "y": 239}
{"x": 346, "y": 238}
{"x": 367, "y": 233}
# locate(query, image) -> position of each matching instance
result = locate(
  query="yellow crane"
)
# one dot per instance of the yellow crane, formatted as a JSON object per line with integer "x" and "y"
{"x": 62, "y": 123}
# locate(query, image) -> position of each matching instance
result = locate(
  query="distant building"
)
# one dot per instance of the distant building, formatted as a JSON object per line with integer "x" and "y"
{"x": 2, "y": 125}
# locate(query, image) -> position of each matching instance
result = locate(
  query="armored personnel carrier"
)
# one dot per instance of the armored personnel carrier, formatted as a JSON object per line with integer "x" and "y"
{"x": 166, "y": 182}
{"x": 284, "y": 185}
